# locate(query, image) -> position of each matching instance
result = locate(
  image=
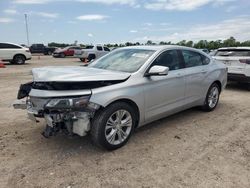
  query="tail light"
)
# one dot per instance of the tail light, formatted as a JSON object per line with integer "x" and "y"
{"x": 246, "y": 61}
{"x": 27, "y": 51}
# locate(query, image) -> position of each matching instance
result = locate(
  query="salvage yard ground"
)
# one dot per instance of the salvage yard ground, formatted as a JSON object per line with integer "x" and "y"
{"x": 190, "y": 149}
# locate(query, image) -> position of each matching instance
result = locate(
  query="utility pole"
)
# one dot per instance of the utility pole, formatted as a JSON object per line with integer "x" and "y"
{"x": 27, "y": 29}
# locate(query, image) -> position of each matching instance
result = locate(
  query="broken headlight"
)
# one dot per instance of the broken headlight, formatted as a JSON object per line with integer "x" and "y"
{"x": 68, "y": 103}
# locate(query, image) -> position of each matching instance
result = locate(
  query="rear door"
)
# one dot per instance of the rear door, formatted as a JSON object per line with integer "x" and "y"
{"x": 99, "y": 51}
{"x": 196, "y": 72}
{"x": 70, "y": 51}
{"x": 234, "y": 59}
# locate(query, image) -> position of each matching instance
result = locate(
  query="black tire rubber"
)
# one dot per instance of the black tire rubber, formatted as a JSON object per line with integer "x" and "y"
{"x": 206, "y": 107}
{"x": 248, "y": 87}
{"x": 62, "y": 55}
{"x": 82, "y": 59}
{"x": 99, "y": 122}
{"x": 91, "y": 57}
{"x": 19, "y": 59}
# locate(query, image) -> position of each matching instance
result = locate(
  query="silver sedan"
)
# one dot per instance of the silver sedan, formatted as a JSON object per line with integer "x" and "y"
{"x": 123, "y": 90}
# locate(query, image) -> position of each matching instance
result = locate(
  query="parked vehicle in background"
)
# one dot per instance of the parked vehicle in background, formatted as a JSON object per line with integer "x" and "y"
{"x": 14, "y": 53}
{"x": 40, "y": 48}
{"x": 121, "y": 91}
{"x": 67, "y": 51}
{"x": 92, "y": 52}
{"x": 212, "y": 52}
{"x": 237, "y": 59}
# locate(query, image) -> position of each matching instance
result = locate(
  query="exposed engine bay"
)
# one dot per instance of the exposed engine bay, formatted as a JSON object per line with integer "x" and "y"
{"x": 69, "y": 114}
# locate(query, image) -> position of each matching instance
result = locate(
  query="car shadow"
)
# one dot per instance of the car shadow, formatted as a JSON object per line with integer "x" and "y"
{"x": 10, "y": 64}
{"x": 68, "y": 146}
{"x": 235, "y": 86}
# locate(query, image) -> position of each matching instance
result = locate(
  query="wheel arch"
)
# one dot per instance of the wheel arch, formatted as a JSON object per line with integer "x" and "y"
{"x": 218, "y": 83}
{"x": 20, "y": 55}
{"x": 131, "y": 103}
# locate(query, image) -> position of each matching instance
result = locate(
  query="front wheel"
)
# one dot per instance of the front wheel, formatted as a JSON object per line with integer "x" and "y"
{"x": 19, "y": 59}
{"x": 212, "y": 98}
{"x": 113, "y": 126}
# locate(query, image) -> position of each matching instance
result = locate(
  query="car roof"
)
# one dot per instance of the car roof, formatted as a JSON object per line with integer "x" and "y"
{"x": 232, "y": 48}
{"x": 164, "y": 47}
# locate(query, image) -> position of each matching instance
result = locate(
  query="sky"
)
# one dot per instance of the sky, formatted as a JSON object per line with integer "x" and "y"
{"x": 120, "y": 21}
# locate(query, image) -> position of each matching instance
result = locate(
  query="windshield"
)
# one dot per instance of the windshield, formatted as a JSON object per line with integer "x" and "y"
{"x": 124, "y": 60}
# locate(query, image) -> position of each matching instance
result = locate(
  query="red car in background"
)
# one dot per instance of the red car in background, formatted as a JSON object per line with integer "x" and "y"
{"x": 68, "y": 51}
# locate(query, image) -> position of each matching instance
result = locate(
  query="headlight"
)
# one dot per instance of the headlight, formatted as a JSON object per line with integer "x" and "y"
{"x": 68, "y": 103}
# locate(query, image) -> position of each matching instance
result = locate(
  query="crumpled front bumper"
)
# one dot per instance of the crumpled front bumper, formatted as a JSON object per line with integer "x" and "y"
{"x": 75, "y": 122}
{"x": 20, "y": 104}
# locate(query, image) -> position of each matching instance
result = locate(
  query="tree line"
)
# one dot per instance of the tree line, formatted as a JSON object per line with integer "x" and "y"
{"x": 210, "y": 45}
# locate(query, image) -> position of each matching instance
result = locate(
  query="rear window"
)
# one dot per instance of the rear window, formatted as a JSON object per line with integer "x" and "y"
{"x": 9, "y": 46}
{"x": 233, "y": 52}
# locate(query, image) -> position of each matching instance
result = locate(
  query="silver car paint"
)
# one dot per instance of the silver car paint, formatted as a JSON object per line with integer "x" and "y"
{"x": 156, "y": 96}
{"x": 74, "y": 74}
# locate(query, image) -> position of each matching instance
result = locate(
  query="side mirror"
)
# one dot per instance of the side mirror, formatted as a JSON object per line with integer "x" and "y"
{"x": 158, "y": 71}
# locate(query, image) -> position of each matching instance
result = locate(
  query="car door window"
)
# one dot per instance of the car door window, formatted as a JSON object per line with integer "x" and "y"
{"x": 168, "y": 59}
{"x": 106, "y": 49}
{"x": 9, "y": 46}
{"x": 99, "y": 48}
{"x": 192, "y": 59}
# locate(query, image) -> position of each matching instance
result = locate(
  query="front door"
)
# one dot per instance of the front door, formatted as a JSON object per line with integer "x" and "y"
{"x": 165, "y": 94}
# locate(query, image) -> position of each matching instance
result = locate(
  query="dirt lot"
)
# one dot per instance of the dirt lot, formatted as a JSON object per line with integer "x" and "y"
{"x": 190, "y": 149}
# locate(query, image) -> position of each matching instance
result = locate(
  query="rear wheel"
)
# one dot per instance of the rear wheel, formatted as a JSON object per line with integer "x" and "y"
{"x": 212, "y": 98}
{"x": 19, "y": 59}
{"x": 113, "y": 126}
{"x": 62, "y": 55}
{"x": 82, "y": 59}
{"x": 248, "y": 86}
{"x": 91, "y": 57}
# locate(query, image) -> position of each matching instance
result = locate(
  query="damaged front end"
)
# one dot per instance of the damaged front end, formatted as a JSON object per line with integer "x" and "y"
{"x": 67, "y": 111}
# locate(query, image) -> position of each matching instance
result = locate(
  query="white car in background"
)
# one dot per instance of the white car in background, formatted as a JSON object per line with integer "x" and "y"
{"x": 14, "y": 53}
{"x": 237, "y": 59}
{"x": 91, "y": 52}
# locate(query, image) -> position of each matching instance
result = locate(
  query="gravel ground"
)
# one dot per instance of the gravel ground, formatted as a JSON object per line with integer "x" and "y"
{"x": 190, "y": 149}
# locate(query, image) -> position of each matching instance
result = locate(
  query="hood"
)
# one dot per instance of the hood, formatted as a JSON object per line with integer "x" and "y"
{"x": 76, "y": 74}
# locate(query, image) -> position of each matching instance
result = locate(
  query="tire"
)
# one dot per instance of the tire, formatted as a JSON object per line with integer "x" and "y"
{"x": 19, "y": 59}
{"x": 212, "y": 98}
{"x": 248, "y": 86}
{"x": 107, "y": 121}
{"x": 82, "y": 59}
{"x": 91, "y": 57}
{"x": 62, "y": 55}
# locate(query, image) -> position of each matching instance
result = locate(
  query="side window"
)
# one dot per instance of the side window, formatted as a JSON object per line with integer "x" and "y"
{"x": 39, "y": 46}
{"x": 99, "y": 48}
{"x": 168, "y": 59}
{"x": 192, "y": 59}
{"x": 9, "y": 46}
{"x": 106, "y": 49}
{"x": 1, "y": 46}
